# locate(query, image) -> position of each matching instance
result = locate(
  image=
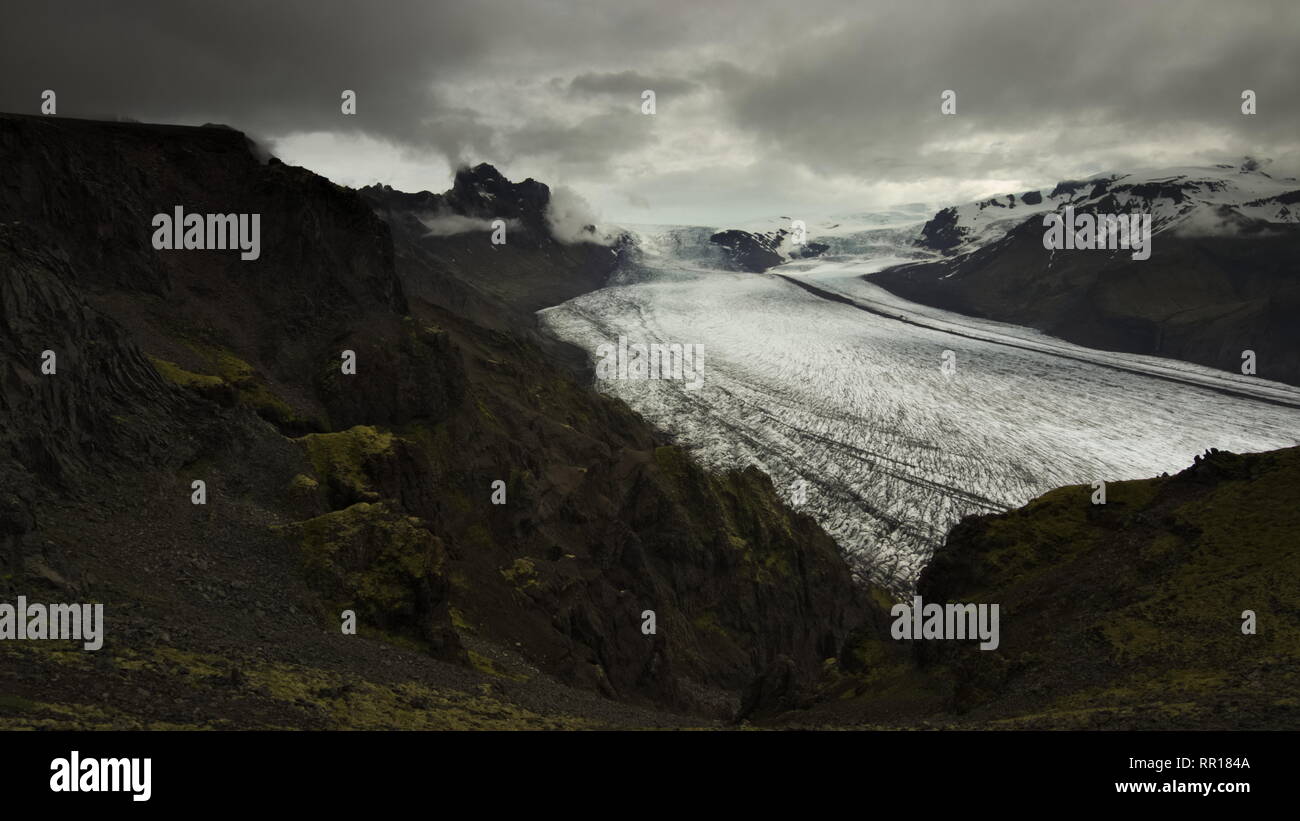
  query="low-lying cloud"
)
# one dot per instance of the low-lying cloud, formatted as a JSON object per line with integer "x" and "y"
{"x": 571, "y": 219}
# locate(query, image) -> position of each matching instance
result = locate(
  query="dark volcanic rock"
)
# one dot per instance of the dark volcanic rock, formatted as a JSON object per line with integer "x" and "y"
{"x": 942, "y": 231}
{"x": 482, "y": 191}
{"x": 370, "y": 492}
{"x": 756, "y": 252}
{"x": 104, "y": 406}
{"x": 748, "y": 252}
{"x": 458, "y": 268}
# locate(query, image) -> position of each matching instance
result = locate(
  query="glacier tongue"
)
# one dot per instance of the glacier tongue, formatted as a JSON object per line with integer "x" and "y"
{"x": 851, "y": 399}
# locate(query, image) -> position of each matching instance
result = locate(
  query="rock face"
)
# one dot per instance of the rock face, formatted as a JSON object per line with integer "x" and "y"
{"x": 55, "y": 428}
{"x": 103, "y": 411}
{"x": 942, "y": 232}
{"x": 370, "y": 492}
{"x": 756, "y": 252}
{"x": 748, "y": 252}
{"x": 1220, "y": 280}
{"x": 480, "y": 194}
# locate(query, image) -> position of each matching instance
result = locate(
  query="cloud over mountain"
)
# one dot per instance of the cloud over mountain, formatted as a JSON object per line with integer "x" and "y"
{"x": 829, "y": 104}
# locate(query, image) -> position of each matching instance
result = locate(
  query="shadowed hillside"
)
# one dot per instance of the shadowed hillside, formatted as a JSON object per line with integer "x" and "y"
{"x": 1122, "y": 615}
{"x": 370, "y": 492}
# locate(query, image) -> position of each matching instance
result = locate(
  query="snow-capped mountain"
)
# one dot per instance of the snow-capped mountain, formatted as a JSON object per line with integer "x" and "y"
{"x": 1216, "y": 284}
{"x": 761, "y": 244}
{"x": 1214, "y": 200}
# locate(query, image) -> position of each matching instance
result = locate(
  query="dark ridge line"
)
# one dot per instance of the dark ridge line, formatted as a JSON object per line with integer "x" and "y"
{"x": 834, "y": 297}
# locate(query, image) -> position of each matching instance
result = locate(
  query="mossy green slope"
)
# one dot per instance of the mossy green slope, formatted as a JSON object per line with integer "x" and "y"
{"x": 1122, "y": 615}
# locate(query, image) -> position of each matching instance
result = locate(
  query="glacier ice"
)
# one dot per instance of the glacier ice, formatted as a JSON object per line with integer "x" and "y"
{"x": 848, "y": 395}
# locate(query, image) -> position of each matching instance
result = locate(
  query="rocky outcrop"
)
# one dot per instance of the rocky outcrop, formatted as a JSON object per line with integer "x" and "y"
{"x": 446, "y": 258}
{"x": 747, "y": 252}
{"x": 942, "y": 232}
{"x": 756, "y": 252}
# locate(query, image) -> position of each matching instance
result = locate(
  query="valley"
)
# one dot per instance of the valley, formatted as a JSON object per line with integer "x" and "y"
{"x": 817, "y": 375}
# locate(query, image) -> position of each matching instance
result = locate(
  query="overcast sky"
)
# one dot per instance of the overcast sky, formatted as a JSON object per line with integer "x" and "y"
{"x": 763, "y": 108}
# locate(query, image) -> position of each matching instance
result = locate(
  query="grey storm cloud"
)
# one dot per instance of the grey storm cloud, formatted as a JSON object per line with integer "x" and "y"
{"x": 628, "y": 83}
{"x": 771, "y": 103}
{"x": 1133, "y": 70}
{"x": 591, "y": 140}
{"x": 263, "y": 67}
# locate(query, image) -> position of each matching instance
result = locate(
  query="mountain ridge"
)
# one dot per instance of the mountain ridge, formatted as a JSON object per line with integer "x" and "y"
{"x": 1221, "y": 280}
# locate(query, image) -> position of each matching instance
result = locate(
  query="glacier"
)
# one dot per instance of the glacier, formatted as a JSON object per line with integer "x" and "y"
{"x": 835, "y": 388}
